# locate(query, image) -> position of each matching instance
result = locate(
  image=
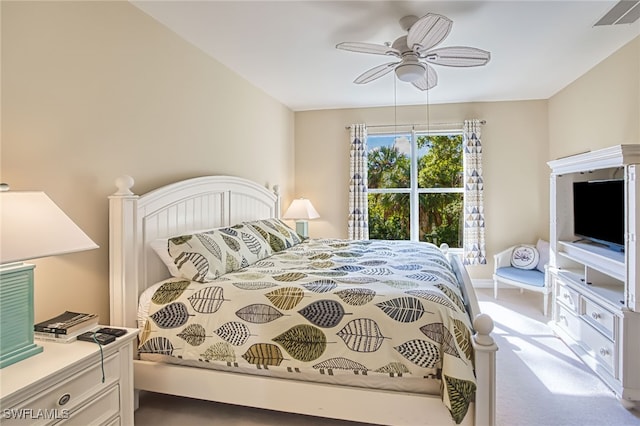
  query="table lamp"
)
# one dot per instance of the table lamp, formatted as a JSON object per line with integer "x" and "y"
{"x": 31, "y": 226}
{"x": 301, "y": 210}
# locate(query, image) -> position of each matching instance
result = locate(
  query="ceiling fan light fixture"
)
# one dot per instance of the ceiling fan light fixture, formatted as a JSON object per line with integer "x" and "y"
{"x": 410, "y": 72}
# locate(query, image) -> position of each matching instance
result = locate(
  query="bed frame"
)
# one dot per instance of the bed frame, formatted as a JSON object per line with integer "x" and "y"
{"x": 214, "y": 201}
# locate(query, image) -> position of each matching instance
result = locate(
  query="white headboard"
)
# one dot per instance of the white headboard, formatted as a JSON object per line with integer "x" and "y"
{"x": 193, "y": 204}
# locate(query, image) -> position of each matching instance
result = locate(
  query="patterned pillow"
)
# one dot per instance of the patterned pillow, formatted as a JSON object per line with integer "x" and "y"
{"x": 525, "y": 257}
{"x": 161, "y": 247}
{"x": 205, "y": 256}
{"x": 279, "y": 235}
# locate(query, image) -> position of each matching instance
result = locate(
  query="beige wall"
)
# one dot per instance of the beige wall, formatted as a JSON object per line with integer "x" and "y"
{"x": 94, "y": 90}
{"x": 514, "y": 155}
{"x": 601, "y": 108}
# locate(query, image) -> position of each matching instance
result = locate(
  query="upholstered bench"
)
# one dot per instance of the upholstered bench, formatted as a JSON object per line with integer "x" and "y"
{"x": 524, "y": 266}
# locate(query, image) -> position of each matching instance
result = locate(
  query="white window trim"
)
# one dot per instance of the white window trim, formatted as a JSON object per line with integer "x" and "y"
{"x": 414, "y": 191}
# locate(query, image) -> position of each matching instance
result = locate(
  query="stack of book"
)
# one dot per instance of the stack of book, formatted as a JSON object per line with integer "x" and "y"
{"x": 66, "y": 327}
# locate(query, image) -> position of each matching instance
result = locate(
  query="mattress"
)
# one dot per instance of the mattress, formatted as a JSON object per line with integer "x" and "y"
{"x": 377, "y": 314}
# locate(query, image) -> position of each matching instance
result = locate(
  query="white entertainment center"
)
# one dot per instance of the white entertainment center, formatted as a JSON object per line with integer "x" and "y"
{"x": 596, "y": 290}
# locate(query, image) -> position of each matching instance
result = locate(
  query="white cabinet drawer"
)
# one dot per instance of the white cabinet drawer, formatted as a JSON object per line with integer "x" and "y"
{"x": 567, "y": 296}
{"x": 100, "y": 411}
{"x": 598, "y": 346}
{"x": 60, "y": 400}
{"x": 600, "y": 317}
{"x": 568, "y": 322}
{"x": 592, "y": 341}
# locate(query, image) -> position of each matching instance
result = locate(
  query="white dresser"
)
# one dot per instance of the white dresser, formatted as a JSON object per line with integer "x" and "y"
{"x": 596, "y": 303}
{"x": 71, "y": 383}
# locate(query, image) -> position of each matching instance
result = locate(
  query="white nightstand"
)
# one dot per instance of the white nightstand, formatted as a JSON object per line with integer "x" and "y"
{"x": 65, "y": 384}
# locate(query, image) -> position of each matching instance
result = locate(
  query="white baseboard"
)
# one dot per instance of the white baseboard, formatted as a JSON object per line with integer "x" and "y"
{"x": 488, "y": 283}
{"x": 482, "y": 283}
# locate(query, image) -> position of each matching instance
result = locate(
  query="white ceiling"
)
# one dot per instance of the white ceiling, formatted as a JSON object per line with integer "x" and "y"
{"x": 287, "y": 48}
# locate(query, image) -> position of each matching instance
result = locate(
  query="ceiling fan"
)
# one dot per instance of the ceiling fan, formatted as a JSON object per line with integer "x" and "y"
{"x": 416, "y": 51}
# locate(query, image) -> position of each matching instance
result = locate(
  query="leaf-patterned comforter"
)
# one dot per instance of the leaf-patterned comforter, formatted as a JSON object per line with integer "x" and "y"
{"x": 328, "y": 306}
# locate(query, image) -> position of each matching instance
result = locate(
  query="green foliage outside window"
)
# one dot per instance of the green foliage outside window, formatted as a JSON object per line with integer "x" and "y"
{"x": 439, "y": 213}
{"x": 389, "y": 216}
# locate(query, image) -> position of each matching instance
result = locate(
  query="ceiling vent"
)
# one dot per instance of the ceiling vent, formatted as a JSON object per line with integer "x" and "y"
{"x": 624, "y": 12}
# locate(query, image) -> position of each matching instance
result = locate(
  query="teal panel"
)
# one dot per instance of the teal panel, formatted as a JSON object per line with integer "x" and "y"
{"x": 16, "y": 314}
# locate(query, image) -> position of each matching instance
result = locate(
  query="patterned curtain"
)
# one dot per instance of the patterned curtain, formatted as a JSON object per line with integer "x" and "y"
{"x": 358, "y": 207}
{"x": 474, "y": 246}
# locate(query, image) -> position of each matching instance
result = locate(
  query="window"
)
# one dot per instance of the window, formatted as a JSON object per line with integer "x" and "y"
{"x": 415, "y": 187}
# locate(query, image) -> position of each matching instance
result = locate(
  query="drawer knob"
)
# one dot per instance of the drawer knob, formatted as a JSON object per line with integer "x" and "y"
{"x": 64, "y": 399}
{"x": 604, "y": 352}
{"x": 596, "y": 315}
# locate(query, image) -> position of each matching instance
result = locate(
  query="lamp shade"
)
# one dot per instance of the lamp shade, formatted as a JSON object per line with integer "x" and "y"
{"x": 33, "y": 226}
{"x": 301, "y": 208}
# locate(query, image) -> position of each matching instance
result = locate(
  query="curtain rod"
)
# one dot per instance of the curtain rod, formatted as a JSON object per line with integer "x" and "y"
{"x": 483, "y": 122}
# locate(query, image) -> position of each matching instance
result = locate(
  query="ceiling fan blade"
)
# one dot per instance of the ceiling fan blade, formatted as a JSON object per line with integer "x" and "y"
{"x": 376, "y": 49}
{"x": 428, "y": 32}
{"x": 428, "y": 81}
{"x": 457, "y": 56}
{"x": 375, "y": 72}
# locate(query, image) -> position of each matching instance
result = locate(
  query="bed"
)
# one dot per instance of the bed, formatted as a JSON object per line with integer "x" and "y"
{"x": 370, "y": 331}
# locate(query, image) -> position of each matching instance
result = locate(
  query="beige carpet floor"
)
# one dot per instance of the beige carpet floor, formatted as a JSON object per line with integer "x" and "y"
{"x": 539, "y": 382}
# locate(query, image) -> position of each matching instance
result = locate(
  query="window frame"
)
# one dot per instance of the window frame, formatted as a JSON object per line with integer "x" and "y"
{"x": 414, "y": 190}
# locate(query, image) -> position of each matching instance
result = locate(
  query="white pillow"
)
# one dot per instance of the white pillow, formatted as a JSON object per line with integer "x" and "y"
{"x": 543, "y": 248}
{"x": 160, "y": 246}
{"x": 525, "y": 257}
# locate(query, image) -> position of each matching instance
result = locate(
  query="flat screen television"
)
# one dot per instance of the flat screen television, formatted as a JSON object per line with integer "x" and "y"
{"x": 598, "y": 212}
